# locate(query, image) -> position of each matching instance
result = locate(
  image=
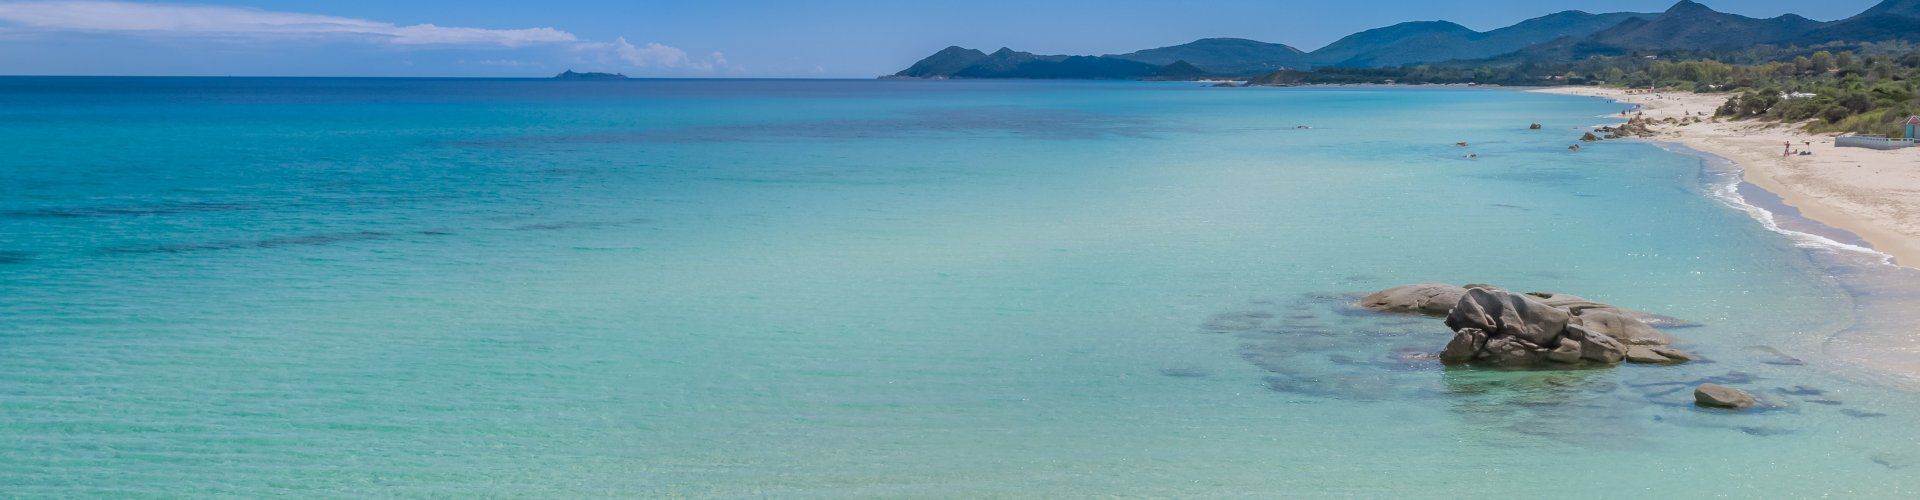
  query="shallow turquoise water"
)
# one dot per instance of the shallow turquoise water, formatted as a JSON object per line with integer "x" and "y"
{"x": 745, "y": 288}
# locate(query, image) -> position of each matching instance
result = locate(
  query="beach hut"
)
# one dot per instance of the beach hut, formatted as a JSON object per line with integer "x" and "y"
{"x": 1913, "y": 125}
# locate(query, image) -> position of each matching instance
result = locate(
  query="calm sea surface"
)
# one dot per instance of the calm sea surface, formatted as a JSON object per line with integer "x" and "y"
{"x": 868, "y": 288}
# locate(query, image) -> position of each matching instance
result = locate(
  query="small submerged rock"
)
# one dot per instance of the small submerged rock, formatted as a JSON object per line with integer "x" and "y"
{"x": 1658, "y": 355}
{"x": 1720, "y": 396}
{"x": 1801, "y": 390}
{"x": 1644, "y": 355}
{"x": 1183, "y": 372}
{"x": 1773, "y": 356}
{"x": 1861, "y": 413}
{"x": 1894, "y": 461}
{"x": 1678, "y": 356}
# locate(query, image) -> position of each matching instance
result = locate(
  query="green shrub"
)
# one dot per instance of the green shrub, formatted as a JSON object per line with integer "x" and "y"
{"x": 1835, "y": 113}
{"x": 1856, "y": 103}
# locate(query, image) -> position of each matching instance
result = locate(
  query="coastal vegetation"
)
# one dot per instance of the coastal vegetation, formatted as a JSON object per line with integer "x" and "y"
{"x": 1868, "y": 92}
{"x": 1829, "y": 92}
{"x": 1852, "y": 75}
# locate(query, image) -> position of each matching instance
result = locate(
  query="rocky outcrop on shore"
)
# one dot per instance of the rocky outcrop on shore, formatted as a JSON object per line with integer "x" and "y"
{"x": 1639, "y": 126}
{"x": 1635, "y": 127}
{"x": 1496, "y": 327}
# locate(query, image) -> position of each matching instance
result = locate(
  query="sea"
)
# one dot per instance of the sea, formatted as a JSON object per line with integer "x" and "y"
{"x": 247, "y": 287}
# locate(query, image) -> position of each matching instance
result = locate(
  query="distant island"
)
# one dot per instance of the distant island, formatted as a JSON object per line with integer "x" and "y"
{"x": 1523, "y": 54}
{"x": 572, "y": 75}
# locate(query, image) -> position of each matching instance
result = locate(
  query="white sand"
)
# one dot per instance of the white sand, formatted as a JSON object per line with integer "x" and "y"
{"x": 1871, "y": 193}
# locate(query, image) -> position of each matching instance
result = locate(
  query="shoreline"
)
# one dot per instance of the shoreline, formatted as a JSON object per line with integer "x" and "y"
{"x": 1862, "y": 252}
{"x": 1874, "y": 195}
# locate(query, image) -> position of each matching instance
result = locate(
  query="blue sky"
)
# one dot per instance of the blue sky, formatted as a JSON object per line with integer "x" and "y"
{"x": 711, "y": 38}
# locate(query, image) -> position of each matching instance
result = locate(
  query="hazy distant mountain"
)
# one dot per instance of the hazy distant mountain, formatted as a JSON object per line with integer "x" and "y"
{"x": 1005, "y": 63}
{"x": 1075, "y": 67}
{"x": 1224, "y": 55}
{"x": 1687, "y": 27}
{"x": 1891, "y": 20}
{"x": 946, "y": 62}
{"x": 1359, "y": 49}
{"x": 1548, "y": 28}
{"x": 1557, "y": 38}
{"x": 1904, "y": 8}
{"x": 1181, "y": 70}
{"x": 1433, "y": 41}
{"x": 1692, "y": 26}
{"x": 957, "y": 62}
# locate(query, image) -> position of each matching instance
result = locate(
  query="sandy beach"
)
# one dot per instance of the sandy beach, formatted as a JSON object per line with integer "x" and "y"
{"x": 1870, "y": 193}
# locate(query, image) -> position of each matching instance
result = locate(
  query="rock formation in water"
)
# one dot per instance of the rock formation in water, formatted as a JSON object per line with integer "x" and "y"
{"x": 1719, "y": 396}
{"x": 1432, "y": 299}
{"x": 1496, "y": 327}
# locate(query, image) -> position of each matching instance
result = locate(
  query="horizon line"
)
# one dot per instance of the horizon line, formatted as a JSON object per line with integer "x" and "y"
{"x": 450, "y": 77}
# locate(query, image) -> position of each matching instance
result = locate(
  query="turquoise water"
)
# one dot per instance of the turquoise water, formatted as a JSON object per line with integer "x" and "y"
{"x": 852, "y": 288}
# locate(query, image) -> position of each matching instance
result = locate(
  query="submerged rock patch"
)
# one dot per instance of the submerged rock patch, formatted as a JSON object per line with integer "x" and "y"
{"x": 1720, "y": 396}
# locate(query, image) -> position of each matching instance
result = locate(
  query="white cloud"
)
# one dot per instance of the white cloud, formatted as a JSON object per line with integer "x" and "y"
{"x": 210, "y": 20}
{"x": 31, "y": 17}
{"x": 651, "y": 55}
{"x": 508, "y": 63}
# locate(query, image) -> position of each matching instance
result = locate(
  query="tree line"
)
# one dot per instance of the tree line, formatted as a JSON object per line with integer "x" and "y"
{"x": 1859, "y": 88}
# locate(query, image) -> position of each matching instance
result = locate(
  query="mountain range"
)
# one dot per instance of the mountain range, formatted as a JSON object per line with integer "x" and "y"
{"x": 1559, "y": 37}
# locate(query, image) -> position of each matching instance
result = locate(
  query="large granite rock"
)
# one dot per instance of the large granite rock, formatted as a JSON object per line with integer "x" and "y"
{"x": 1567, "y": 353}
{"x": 1512, "y": 352}
{"x": 1502, "y": 313}
{"x": 1596, "y": 347}
{"x": 1645, "y": 356}
{"x": 1719, "y": 396}
{"x": 1572, "y": 303}
{"x": 1433, "y": 299}
{"x": 1466, "y": 345}
{"x": 1621, "y": 326}
{"x": 1436, "y": 299}
{"x": 1678, "y": 356}
{"x": 1580, "y": 305}
{"x": 1501, "y": 328}
{"x": 1658, "y": 355}
{"x": 1496, "y": 327}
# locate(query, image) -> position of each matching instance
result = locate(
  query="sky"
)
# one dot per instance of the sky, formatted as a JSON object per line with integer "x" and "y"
{"x": 706, "y": 38}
